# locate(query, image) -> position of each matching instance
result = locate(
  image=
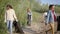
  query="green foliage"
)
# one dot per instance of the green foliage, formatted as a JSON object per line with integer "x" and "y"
{"x": 38, "y": 7}
{"x": 57, "y": 9}
{"x": 19, "y": 6}
{"x": 3, "y": 29}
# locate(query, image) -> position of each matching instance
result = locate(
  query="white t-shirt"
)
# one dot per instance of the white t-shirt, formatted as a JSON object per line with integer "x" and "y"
{"x": 45, "y": 14}
{"x": 10, "y": 15}
{"x": 29, "y": 13}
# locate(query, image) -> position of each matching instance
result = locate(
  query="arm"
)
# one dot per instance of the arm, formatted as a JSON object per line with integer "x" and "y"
{"x": 14, "y": 15}
{"x": 31, "y": 16}
{"x": 48, "y": 15}
{"x": 5, "y": 17}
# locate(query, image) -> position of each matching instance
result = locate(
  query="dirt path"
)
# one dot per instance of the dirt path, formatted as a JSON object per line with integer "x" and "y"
{"x": 33, "y": 29}
{"x": 36, "y": 28}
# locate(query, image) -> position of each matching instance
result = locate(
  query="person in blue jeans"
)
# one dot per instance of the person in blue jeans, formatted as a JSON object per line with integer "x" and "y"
{"x": 51, "y": 17}
{"x": 10, "y": 17}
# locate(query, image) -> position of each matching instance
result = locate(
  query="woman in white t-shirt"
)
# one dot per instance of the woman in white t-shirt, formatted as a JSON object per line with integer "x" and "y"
{"x": 10, "y": 17}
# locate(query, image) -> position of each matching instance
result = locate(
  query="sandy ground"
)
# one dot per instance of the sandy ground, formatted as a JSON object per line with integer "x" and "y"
{"x": 39, "y": 28}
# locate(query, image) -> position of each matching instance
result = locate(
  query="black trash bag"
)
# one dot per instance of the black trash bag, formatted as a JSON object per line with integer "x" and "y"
{"x": 58, "y": 23}
{"x": 18, "y": 27}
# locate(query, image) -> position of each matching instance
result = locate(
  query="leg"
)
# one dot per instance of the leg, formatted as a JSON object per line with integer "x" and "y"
{"x": 29, "y": 20}
{"x": 8, "y": 25}
{"x": 52, "y": 26}
{"x": 11, "y": 22}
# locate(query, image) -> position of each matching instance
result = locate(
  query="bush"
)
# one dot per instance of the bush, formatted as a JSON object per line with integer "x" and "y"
{"x": 3, "y": 29}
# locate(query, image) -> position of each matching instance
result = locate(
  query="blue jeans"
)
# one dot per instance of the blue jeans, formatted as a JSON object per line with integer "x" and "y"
{"x": 9, "y": 26}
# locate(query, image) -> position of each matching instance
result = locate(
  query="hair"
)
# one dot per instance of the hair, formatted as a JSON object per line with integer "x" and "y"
{"x": 28, "y": 9}
{"x": 50, "y": 6}
{"x": 9, "y": 6}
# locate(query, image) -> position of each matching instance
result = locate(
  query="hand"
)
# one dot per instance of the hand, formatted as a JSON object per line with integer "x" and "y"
{"x": 16, "y": 20}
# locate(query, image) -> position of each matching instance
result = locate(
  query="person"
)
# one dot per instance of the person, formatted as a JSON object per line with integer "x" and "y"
{"x": 45, "y": 17}
{"x": 29, "y": 16}
{"x": 51, "y": 17}
{"x": 10, "y": 16}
